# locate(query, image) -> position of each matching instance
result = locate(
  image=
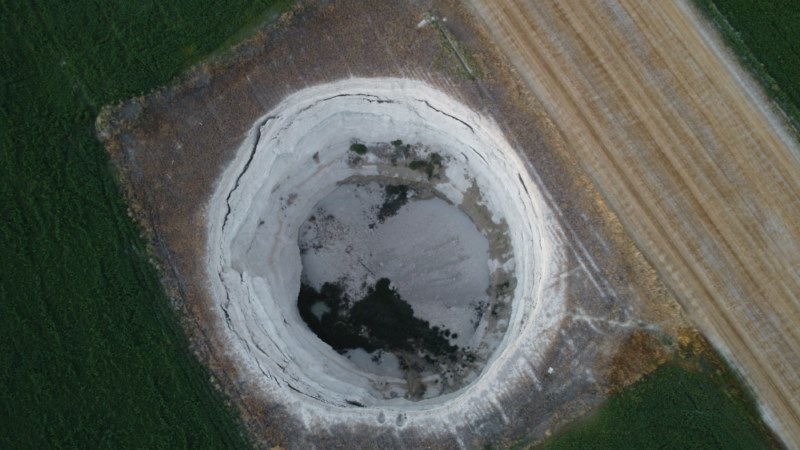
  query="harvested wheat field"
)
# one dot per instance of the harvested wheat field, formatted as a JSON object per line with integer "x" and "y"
{"x": 687, "y": 151}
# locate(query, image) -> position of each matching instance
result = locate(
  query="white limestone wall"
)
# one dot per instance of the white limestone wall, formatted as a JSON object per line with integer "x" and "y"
{"x": 274, "y": 181}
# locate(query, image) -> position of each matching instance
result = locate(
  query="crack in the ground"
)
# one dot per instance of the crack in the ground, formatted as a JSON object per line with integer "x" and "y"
{"x": 246, "y": 166}
{"x": 368, "y": 97}
{"x": 446, "y": 114}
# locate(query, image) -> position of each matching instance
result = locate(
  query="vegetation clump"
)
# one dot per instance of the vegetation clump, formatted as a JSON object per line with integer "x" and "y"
{"x": 380, "y": 320}
{"x": 401, "y": 151}
{"x": 395, "y": 196}
{"x": 360, "y": 149}
{"x": 429, "y": 166}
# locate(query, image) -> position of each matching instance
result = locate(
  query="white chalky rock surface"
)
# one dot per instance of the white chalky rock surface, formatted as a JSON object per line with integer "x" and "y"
{"x": 292, "y": 159}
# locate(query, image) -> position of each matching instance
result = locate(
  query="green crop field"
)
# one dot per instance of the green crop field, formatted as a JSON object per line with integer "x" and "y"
{"x": 765, "y": 35}
{"x": 687, "y": 403}
{"x": 92, "y": 355}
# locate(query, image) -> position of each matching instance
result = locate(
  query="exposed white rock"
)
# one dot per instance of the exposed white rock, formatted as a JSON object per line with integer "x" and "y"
{"x": 293, "y": 158}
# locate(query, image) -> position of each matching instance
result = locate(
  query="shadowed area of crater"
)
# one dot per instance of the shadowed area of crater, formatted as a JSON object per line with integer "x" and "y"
{"x": 396, "y": 279}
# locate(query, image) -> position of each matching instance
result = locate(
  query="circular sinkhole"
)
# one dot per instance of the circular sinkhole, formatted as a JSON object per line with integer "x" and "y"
{"x": 397, "y": 279}
{"x": 378, "y": 252}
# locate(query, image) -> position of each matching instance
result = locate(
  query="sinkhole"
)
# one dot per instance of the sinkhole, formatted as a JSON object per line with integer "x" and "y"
{"x": 399, "y": 280}
{"x": 377, "y": 249}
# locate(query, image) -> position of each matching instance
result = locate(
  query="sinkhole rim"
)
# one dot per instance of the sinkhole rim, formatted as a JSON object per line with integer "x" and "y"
{"x": 272, "y": 354}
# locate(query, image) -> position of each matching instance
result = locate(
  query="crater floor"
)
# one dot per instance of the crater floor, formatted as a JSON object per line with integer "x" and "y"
{"x": 435, "y": 257}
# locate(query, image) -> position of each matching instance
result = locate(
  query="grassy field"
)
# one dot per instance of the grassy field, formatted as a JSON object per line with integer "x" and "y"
{"x": 765, "y": 35}
{"x": 691, "y": 402}
{"x": 91, "y": 352}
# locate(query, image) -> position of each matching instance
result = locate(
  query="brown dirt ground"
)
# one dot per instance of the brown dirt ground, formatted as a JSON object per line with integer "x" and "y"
{"x": 171, "y": 145}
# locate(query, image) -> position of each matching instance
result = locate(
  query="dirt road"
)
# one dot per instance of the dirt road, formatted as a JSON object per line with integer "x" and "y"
{"x": 684, "y": 149}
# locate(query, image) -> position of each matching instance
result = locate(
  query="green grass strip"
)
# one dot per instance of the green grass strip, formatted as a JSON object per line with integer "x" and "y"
{"x": 765, "y": 37}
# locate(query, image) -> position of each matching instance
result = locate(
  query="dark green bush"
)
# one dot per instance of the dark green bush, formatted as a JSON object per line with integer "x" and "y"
{"x": 361, "y": 149}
